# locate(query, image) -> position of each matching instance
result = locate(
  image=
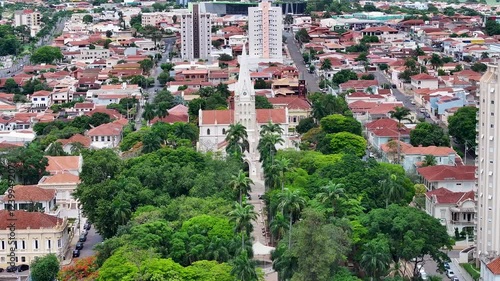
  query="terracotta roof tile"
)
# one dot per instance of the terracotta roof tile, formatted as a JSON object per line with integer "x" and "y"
{"x": 277, "y": 116}
{"x": 291, "y": 102}
{"x": 444, "y": 172}
{"x": 446, "y": 196}
{"x": 494, "y": 266}
{"x": 63, "y": 163}
{"x": 85, "y": 141}
{"x": 33, "y": 220}
{"x": 59, "y": 179}
{"x": 32, "y": 193}
{"x": 431, "y": 150}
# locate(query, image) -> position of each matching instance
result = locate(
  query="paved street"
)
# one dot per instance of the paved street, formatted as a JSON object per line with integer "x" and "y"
{"x": 169, "y": 44}
{"x": 312, "y": 81}
{"x": 93, "y": 238}
{"x": 18, "y": 65}
{"x": 431, "y": 267}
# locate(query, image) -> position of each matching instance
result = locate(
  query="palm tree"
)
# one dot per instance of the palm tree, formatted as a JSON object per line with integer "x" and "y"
{"x": 243, "y": 215}
{"x": 149, "y": 112}
{"x": 400, "y": 113}
{"x": 282, "y": 166}
{"x": 185, "y": 131}
{"x": 393, "y": 191}
{"x": 122, "y": 211}
{"x": 284, "y": 262}
{"x": 76, "y": 148}
{"x": 278, "y": 226}
{"x": 429, "y": 160}
{"x": 332, "y": 192}
{"x": 272, "y": 128}
{"x": 375, "y": 261}
{"x": 217, "y": 250}
{"x": 237, "y": 140}
{"x": 244, "y": 268}
{"x": 151, "y": 142}
{"x": 291, "y": 202}
{"x": 55, "y": 149}
{"x": 241, "y": 183}
{"x": 162, "y": 109}
{"x": 267, "y": 147}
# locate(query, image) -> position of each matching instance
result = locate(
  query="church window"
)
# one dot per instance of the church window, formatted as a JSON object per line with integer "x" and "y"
{"x": 223, "y": 131}
{"x": 208, "y": 132}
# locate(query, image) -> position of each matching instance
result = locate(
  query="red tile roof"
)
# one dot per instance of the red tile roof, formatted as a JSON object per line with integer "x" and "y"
{"x": 32, "y": 193}
{"x": 446, "y": 196}
{"x": 63, "y": 163}
{"x": 109, "y": 129}
{"x": 85, "y": 141}
{"x": 431, "y": 150}
{"x": 33, "y": 220}
{"x": 494, "y": 266}
{"x": 423, "y": 76}
{"x": 277, "y": 116}
{"x": 359, "y": 84}
{"x": 444, "y": 172}
{"x": 291, "y": 102}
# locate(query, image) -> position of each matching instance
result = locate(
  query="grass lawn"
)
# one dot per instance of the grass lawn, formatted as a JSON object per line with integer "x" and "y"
{"x": 472, "y": 270}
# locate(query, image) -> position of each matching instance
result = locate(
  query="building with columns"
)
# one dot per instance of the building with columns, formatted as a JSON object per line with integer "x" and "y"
{"x": 488, "y": 175}
{"x": 215, "y": 123}
{"x": 265, "y": 32}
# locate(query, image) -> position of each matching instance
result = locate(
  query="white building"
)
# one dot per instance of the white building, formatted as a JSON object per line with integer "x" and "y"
{"x": 214, "y": 124}
{"x": 488, "y": 177}
{"x": 32, "y": 19}
{"x": 196, "y": 35}
{"x": 265, "y": 32}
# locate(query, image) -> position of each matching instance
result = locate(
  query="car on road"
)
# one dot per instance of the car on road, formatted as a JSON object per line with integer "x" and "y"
{"x": 423, "y": 110}
{"x": 82, "y": 238}
{"x": 455, "y": 279}
{"x": 23, "y": 267}
{"x": 79, "y": 245}
{"x": 450, "y": 273}
{"x": 87, "y": 226}
{"x": 446, "y": 265}
{"x": 76, "y": 253}
{"x": 413, "y": 102}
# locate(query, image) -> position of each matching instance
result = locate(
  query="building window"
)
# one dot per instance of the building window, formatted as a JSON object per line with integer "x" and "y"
{"x": 223, "y": 131}
{"x": 23, "y": 245}
{"x": 49, "y": 244}
{"x": 59, "y": 243}
{"x": 2, "y": 245}
{"x": 23, "y": 259}
{"x": 35, "y": 244}
{"x": 208, "y": 132}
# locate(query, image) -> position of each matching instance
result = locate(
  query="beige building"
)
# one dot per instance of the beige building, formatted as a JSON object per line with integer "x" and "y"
{"x": 156, "y": 18}
{"x": 298, "y": 108}
{"x": 93, "y": 54}
{"x": 36, "y": 235}
{"x": 32, "y": 19}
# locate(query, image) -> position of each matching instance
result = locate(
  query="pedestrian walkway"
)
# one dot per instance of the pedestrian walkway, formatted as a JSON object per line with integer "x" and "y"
{"x": 260, "y": 233}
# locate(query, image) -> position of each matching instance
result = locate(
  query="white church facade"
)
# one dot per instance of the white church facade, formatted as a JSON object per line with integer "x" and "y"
{"x": 214, "y": 124}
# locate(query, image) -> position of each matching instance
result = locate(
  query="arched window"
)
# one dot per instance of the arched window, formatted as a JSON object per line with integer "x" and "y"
{"x": 208, "y": 132}
{"x": 223, "y": 131}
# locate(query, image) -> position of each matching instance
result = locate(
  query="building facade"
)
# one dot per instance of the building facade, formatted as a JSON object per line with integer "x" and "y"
{"x": 488, "y": 178}
{"x": 196, "y": 35}
{"x": 265, "y": 32}
{"x": 32, "y": 19}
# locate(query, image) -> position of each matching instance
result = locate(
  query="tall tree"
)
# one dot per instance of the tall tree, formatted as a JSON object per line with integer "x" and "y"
{"x": 237, "y": 140}
{"x": 162, "y": 109}
{"x": 462, "y": 126}
{"x": 271, "y": 128}
{"x": 55, "y": 149}
{"x": 331, "y": 193}
{"x": 150, "y": 142}
{"x": 376, "y": 259}
{"x": 429, "y": 160}
{"x": 149, "y": 112}
{"x": 267, "y": 148}
{"x": 241, "y": 184}
{"x": 244, "y": 268}
{"x": 291, "y": 203}
{"x": 400, "y": 113}
{"x": 242, "y": 215}
{"x": 393, "y": 191}
{"x": 45, "y": 268}
{"x": 278, "y": 226}
{"x": 29, "y": 163}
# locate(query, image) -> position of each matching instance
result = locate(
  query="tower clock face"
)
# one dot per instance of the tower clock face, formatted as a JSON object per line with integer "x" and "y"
{"x": 244, "y": 93}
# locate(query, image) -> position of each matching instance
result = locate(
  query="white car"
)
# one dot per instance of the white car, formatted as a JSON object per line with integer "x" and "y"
{"x": 450, "y": 273}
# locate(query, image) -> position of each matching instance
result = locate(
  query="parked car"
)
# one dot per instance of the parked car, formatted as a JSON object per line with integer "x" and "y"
{"x": 82, "y": 238}
{"x": 454, "y": 279}
{"x": 85, "y": 232}
{"x": 11, "y": 268}
{"x": 23, "y": 267}
{"x": 79, "y": 245}
{"x": 87, "y": 226}
{"x": 446, "y": 265}
{"x": 76, "y": 253}
{"x": 450, "y": 273}
{"x": 1, "y": 269}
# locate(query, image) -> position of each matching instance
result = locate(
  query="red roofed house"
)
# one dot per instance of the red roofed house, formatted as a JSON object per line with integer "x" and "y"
{"x": 444, "y": 155}
{"x": 384, "y": 33}
{"x": 360, "y": 86}
{"x": 40, "y": 101}
{"x": 37, "y": 234}
{"x": 454, "y": 178}
{"x": 67, "y": 144}
{"x": 107, "y": 135}
{"x": 214, "y": 124}
{"x": 178, "y": 113}
{"x": 490, "y": 268}
{"x": 298, "y": 108}
{"x": 30, "y": 198}
{"x": 424, "y": 81}
{"x": 453, "y": 209}
{"x": 383, "y": 130}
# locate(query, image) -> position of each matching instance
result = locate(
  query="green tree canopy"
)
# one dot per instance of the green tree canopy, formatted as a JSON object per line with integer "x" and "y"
{"x": 337, "y": 123}
{"x": 426, "y": 134}
{"x": 462, "y": 126}
{"x": 46, "y": 54}
{"x": 45, "y": 268}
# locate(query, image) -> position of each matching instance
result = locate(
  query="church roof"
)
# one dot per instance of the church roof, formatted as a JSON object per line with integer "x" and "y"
{"x": 226, "y": 117}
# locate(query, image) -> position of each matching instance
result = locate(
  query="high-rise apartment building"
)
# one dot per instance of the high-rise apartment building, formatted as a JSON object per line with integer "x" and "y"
{"x": 32, "y": 19}
{"x": 488, "y": 174}
{"x": 196, "y": 35}
{"x": 265, "y": 31}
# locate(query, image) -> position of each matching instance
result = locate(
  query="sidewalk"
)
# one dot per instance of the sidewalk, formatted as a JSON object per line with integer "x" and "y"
{"x": 460, "y": 272}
